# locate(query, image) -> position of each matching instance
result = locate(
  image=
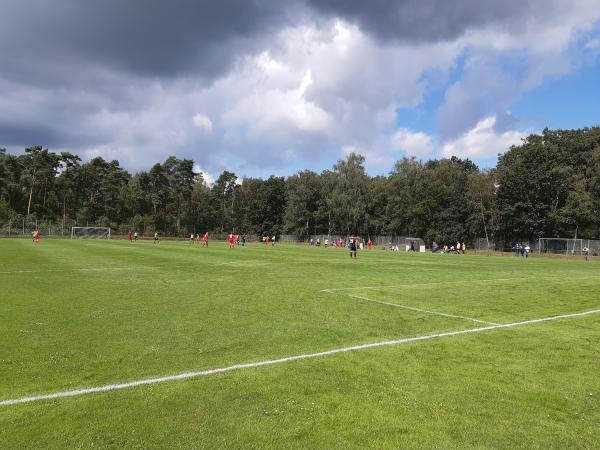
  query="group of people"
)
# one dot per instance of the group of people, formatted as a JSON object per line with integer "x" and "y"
{"x": 133, "y": 237}
{"x": 522, "y": 250}
{"x": 459, "y": 248}
{"x": 235, "y": 239}
{"x": 340, "y": 243}
{"x": 232, "y": 239}
{"x": 195, "y": 239}
{"x": 266, "y": 239}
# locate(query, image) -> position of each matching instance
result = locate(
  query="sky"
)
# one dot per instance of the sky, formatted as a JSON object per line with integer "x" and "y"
{"x": 264, "y": 87}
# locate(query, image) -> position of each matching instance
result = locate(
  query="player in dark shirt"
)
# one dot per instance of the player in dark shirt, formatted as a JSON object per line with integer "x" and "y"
{"x": 353, "y": 248}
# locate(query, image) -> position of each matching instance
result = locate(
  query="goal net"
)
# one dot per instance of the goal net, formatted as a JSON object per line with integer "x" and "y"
{"x": 561, "y": 246}
{"x": 90, "y": 233}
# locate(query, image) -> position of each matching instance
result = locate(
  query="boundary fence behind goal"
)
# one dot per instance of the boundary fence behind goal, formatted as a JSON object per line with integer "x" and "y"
{"x": 560, "y": 246}
{"x": 564, "y": 246}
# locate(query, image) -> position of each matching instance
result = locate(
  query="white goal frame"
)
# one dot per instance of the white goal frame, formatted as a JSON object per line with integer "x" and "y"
{"x": 90, "y": 232}
{"x": 561, "y": 246}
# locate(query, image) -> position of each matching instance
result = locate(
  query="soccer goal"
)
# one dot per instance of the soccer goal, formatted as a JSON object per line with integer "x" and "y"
{"x": 561, "y": 246}
{"x": 90, "y": 233}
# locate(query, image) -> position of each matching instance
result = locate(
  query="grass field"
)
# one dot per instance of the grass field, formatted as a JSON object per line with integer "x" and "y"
{"x": 83, "y": 314}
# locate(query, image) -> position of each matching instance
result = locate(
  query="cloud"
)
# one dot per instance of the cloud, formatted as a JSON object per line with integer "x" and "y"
{"x": 501, "y": 64}
{"x": 209, "y": 178}
{"x": 203, "y": 122}
{"x": 482, "y": 142}
{"x": 434, "y": 20}
{"x": 139, "y": 37}
{"x": 414, "y": 143}
{"x": 267, "y": 86}
{"x": 593, "y": 44}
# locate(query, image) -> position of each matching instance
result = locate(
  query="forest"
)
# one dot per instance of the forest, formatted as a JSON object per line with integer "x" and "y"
{"x": 547, "y": 186}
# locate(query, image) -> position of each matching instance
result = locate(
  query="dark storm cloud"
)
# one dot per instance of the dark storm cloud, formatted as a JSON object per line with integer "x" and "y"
{"x": 166, "y": 38}
{"x": 13, "y": 134}
{"x": 431, "y": 20}
{"x": 147, "y": 37}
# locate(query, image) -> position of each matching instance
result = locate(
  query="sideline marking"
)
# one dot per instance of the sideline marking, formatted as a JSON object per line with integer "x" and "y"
{"x": 183, "y": 376}
{"x": 421, "y": 310}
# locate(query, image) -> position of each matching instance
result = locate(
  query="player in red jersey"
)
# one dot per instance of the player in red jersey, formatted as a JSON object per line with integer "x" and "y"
{"x": 231, "y": 240}
{"x": 36, "y": 237}
{"x": 129, "y": 236}
{"x": 206, "y": 239}
{"x": 369, "y": 244}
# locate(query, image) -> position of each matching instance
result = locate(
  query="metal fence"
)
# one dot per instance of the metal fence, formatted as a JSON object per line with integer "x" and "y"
{"x": 22, "y": 227}
{"x": 25, "y": 228}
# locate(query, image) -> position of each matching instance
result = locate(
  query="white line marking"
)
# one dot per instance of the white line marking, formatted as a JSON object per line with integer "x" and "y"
{"x": 420, "y": 310}
{"x": 184, "y": 376}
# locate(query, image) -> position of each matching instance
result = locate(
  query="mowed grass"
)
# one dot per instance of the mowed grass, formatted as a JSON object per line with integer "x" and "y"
{"x": 77, "y": 314}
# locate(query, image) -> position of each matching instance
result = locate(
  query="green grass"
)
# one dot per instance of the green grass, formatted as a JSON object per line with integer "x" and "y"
{"x": 76, "y": 314}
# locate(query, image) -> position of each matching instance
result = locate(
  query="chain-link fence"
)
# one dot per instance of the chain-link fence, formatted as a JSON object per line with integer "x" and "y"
{"x": 25, "y": 228}
{"x": 22, "y": 227}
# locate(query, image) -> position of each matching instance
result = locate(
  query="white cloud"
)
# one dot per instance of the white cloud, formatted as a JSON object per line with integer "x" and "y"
{"x": 593, "y": 44}
{"x": 267, "y": 110}
{"x": 482, "y": 142}
{"x": 414, "y": 143}
{"x": 209, "y": 178}
{"x": 203, "y": 122}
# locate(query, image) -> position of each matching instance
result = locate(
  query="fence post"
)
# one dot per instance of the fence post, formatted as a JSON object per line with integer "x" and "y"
{"x": 23, "y": 227}
{"x": 9, "y": 227}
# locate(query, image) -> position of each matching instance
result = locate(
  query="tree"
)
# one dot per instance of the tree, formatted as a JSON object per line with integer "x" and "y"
{"x": 181, "y": 180}
{"x": 547, "y": 186}
{"x": 404, "y": 196}
{"x": 223, "y": 191}
{"x": 40, "y": 164}
{"x": 481, "y": 204}
{"x": 348, "y": 204}
{"x": 534, "y": 180}
{"x": 302, "y": 199}
{"x": 66, "y": 181}
{"x": 378, "y": 206}
{"x": 202, "y": 209}
{"x": 3, "y": 174}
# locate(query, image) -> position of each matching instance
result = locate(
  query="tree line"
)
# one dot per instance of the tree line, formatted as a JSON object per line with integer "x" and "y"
{"x": 547, "y": 186}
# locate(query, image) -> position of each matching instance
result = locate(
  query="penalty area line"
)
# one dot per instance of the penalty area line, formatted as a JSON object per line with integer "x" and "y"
{"x": 184, "y": 376}
{"x": 426, "y": 311}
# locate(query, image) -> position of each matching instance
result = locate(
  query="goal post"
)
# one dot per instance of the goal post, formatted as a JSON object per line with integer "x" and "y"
{"x": 561, "y": 246}
{"x": 90, "y": 232}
